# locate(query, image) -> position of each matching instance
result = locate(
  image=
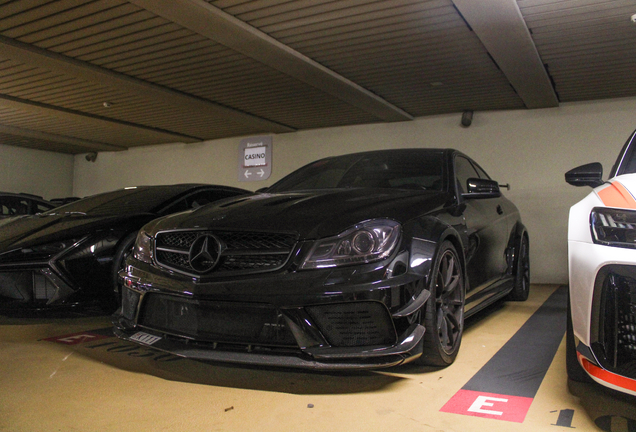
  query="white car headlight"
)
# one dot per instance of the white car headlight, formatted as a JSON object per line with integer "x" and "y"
{"x": 368, "y": 241}
{"x": 613, "y": 227}
{"x": 143, "y": 247}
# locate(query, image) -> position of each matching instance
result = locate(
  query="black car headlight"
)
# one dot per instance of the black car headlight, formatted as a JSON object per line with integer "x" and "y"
{"x": 143, "y": 247}
{"x": 368, "y": 241}
{"x": 613, "y": 227}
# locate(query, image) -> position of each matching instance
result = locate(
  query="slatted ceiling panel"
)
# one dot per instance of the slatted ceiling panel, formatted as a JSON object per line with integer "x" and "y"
{"x": 589, "y": 46}
{"x": 127, "y": 52}
{"x": 403, "y": 17}
{"x": 193, "y": 70}
{"x": 99, "y": 23}
{"x": 170, "y": 59}
{"x": 87, "y": 42}
{"x": 353, "y": 19}
{"x": 386, "y": 47}
{"x": 60, "y": 126}
{"x": 384, "y": 31}
{"x": 63, "y": 19}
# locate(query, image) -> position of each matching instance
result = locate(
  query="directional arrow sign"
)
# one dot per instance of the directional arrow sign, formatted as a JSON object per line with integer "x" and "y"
{"x": 255, "y": 154}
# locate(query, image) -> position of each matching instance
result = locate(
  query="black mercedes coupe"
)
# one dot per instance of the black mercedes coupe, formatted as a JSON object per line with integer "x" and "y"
{"x": 70, "y": 255}
{"x": 359, "y": 261}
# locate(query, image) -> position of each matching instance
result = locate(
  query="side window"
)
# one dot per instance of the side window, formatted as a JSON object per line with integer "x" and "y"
{"x": 482, "y": 173}
{"x": 14, "y": 206}
{"x": 463, "y": 171}
{"x": 40, "y": 208}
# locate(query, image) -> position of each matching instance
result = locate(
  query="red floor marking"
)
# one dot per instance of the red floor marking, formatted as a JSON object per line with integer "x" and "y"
{"x": 489, "y": 405}
{"x": 77, "y": 338}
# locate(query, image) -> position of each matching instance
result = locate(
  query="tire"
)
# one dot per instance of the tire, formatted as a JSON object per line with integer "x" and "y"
{"x": 444, "y": 311}
{"x": 574, "y": 369}
{"x": 124, "y": 249}
{"x": 521, "y": 288}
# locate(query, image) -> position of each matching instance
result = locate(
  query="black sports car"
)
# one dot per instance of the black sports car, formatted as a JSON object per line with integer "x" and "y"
{"x": 356, "y": 261}
{"x": 71, "y": 254}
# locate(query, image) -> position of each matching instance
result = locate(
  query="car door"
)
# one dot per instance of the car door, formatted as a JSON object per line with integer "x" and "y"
{"x": 487, "y": 231}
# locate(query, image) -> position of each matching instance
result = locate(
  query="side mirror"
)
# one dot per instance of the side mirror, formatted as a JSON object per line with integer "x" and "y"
{"x": 586, "y": 175}
{"x": 481, "y": 188}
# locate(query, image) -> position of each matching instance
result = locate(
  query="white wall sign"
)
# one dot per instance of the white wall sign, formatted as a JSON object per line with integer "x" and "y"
{"x": 255, "y": 158}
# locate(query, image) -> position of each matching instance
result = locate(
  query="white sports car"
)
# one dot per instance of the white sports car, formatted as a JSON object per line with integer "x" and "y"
{"x": 601, "y": 331}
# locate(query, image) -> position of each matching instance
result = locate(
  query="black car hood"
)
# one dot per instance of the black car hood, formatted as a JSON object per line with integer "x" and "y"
{"x": 311, "y": 214}
{"x": 41, "y": 229}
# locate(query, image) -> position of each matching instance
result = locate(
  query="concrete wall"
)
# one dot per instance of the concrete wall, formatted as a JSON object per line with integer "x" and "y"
{"x": 531, "y": 150}
{"x": 42, "y": 173}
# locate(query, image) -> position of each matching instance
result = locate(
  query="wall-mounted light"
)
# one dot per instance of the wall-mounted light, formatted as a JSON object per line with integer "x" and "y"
{"x": 107, "y": 104}
{"x": 633, "y": 18}
{"x": 91, "y": 157}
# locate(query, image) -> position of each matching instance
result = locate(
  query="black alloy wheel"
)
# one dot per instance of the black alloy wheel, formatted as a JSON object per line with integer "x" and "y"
{"x": 444, "y": 314}
{"x": 521, "y": 289}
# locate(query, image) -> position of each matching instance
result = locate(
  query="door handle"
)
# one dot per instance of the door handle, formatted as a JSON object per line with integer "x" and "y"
{"x": 499, "y": 210}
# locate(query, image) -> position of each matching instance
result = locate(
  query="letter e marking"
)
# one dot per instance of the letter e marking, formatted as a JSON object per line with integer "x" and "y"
{"x": 485, "y": 401}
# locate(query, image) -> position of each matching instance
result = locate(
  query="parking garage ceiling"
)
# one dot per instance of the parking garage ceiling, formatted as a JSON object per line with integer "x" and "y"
{"x": 79, "y": 76}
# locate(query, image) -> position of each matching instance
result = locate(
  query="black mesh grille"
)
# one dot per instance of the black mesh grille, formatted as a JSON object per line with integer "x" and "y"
{"x": 27, "y": 286}
{"x": 177, "y": 239}
{"x": 216, "y": 321}
{"x": 618, "y": 323}
{"x": 354, "y": 324}
{"x": 240, "y": 252}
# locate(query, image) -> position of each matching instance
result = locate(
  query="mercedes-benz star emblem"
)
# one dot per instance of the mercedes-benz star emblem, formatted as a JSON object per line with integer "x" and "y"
{"x": 205, "y": 253}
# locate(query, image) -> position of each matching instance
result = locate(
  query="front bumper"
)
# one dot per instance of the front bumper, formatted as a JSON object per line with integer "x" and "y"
{"x": 603, "y": 300}
{"x": 353, "y": 318}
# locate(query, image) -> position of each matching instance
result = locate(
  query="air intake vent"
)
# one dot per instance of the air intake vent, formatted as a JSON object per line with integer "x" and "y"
{"x": 354, "y": 324}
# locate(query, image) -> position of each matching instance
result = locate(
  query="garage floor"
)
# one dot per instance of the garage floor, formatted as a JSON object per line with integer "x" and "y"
{"x": 70, "y": 374}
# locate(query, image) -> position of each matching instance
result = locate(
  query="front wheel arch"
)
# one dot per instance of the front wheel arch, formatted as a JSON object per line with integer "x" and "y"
{"x": 443, "y": 314}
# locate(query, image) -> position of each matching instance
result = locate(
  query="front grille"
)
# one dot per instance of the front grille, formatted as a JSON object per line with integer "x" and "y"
{"x": 229, "y": 252}
{"x": 617, "y": 323}
{"x": 354, "y": 324}
{"x": 218, "y": 322}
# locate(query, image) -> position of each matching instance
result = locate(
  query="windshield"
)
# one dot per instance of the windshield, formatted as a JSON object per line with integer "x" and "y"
{"x": 124, "y": 201}
{"x": 400, "y": 169}
{"x": 626, "y": 162}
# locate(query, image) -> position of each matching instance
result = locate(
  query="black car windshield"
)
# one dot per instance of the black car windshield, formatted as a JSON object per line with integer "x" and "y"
{"x": 626, "y": 162}
{"x": 124, "y": 201}
{"x": 400, "y": 169}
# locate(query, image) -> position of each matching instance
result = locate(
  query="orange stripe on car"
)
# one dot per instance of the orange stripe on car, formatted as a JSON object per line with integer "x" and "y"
{"x": 607, "y": 376}
{"x": 615, "y": 195}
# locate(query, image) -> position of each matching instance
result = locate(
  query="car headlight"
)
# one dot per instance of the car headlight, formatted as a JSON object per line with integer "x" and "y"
{"x": 368, "y": 241}
{"x": 613, "y": 227}
{"x": 143, "y": 247}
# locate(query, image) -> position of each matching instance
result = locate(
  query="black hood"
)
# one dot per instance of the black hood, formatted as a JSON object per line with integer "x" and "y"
{"x": 311, "y": 214}
{"x": 41, "y": 229}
